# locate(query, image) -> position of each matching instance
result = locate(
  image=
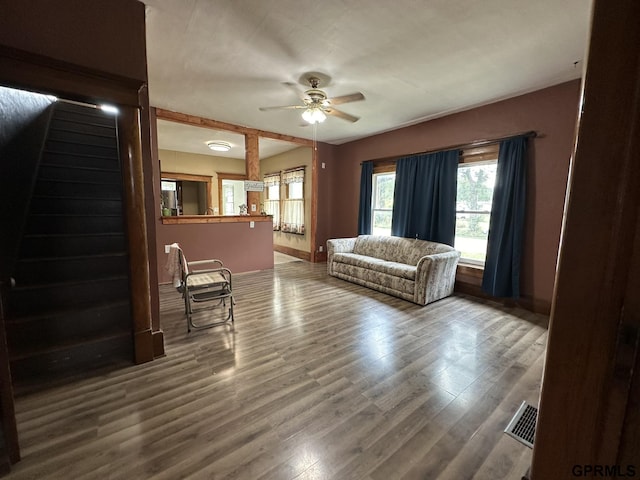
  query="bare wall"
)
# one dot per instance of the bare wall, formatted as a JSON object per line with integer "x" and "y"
{"x": 326, "y": 166}
{"x": 552, "y": 112}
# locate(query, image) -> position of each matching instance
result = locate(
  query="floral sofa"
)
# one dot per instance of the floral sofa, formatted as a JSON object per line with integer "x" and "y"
{"x": 416, "y": 270}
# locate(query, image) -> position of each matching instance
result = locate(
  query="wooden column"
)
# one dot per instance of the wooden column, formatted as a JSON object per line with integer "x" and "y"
{"x": 252, "y": 157}
{"x": 131, "y": 155}
{"x": 9, "y": 448}
{"x": 589, "y": 402}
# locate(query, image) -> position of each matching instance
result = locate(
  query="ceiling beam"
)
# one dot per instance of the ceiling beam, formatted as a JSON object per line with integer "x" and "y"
{"x": 196, "y": 121}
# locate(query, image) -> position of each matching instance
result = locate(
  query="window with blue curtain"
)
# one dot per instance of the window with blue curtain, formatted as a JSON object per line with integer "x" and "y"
{"x": 424, "y": 203}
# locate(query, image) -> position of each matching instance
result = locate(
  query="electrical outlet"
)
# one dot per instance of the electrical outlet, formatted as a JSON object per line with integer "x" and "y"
{"x": 320, "y": 248}
{"x": 323, "y": 165}
{"x": 167, "y": 249}
{"x": 252, "y": 224}
{"x": 253, "y": 207}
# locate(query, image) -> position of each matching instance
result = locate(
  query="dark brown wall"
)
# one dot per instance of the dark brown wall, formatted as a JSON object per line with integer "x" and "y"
{"x": 104, "y": 35}
{"x": 551, "y": 112}
{"x": 326, "y": 155}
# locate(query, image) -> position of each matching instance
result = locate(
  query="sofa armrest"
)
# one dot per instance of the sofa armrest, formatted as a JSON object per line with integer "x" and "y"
{"x": 338, "y": 245}
{"x": 436, "y": 276}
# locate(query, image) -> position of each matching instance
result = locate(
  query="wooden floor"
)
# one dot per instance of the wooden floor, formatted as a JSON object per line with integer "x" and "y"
{"x": 321, "y": 379}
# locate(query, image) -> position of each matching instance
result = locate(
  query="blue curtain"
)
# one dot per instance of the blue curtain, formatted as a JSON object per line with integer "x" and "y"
{"x": 403, "y": 197}
{"x": 424, "y": 202}
{"x": 364, "y": 211}
{"x": 506, "y": 227}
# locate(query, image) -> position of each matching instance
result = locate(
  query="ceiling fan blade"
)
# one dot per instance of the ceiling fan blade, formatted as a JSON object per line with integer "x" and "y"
{"x": 297, "y": 90}
{"x": 283, "y": 107}
{"x": 340, "y": 114}
{"x": 354, "y": 97}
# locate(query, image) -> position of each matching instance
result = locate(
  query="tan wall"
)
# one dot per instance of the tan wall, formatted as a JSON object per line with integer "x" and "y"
{"x": 293, "y": 158}
{"x": 196, "y": 164}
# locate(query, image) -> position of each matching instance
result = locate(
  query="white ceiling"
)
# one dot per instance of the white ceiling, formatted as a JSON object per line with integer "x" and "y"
{"x": 413, "y": 60}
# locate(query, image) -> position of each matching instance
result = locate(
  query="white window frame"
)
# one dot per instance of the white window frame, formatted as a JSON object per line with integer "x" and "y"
{"x": 467, "y": 260}
{"x": 374, "y": 199}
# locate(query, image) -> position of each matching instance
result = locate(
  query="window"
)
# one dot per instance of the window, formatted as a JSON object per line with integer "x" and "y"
{"x": 473, "y": 209}
{"x": 228, "y": 205}
{"x": 382, "y": 202}
{"x": 272, "y": 197}
{"x": 231, "y": 193}
{"x": 295, "y": 191}
{"x": 475, "y": 183}
{"x": 293, "y": 204}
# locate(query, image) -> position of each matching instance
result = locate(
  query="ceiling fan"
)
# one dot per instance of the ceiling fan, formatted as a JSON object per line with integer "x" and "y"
{"x": 317, "y": 105}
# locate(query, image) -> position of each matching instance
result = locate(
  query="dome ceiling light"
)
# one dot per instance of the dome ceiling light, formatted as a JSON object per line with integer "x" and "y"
{"x": 219, "y": 146}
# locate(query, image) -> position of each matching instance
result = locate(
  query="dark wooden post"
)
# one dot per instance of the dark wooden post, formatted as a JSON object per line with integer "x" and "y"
{"x": 131, "y": 154}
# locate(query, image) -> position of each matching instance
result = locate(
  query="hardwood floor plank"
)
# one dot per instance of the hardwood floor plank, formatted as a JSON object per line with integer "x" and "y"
{"x": 319, "y": 378}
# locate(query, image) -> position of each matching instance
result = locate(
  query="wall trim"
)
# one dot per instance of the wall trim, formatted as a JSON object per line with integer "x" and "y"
{"x": 301, "y": 254}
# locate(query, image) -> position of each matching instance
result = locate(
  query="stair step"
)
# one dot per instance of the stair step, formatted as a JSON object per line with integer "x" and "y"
{"x": 64, "y": 346}
{"x": 81, "y": 138}
{"x": 75, "y": 188}
{"x": 58, "y": 146}
{"x": 75, "y": 205}
{"x": 52, "y": 336}
{"x": 70, "y": 268}
{"x": 63, "y": 223}
{"x": 67, "y": 312}
{"x": 62, "y": 245}
{"x": 79, "y": 160}
{"x": 83, "y": 113}
{"x": 35, "y": 299}
{"x": 71, "y": 125}
{"x": 79, "y": 174}
{"x": 67, "y": 360}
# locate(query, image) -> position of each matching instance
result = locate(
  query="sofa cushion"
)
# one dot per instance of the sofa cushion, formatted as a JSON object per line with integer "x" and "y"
{"x": 397, "y": 249}
{"x": 401, "y": 270}
{"x": 369, "y": 277}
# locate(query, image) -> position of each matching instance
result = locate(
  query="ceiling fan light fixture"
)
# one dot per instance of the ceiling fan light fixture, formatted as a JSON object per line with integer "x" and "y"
{"x": 219, "y": 146}
{"x": 314, "y": 115}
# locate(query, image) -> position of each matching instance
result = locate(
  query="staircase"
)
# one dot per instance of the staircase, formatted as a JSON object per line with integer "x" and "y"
{"x": 69, "y": 311}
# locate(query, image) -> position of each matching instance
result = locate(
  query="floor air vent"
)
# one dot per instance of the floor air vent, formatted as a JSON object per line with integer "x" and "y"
{"x": 522, "y": 426}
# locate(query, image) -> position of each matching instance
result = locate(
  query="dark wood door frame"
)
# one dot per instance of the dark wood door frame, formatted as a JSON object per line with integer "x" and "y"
{"x": 588, "y": 415}
{"x": 9, "y": 447}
